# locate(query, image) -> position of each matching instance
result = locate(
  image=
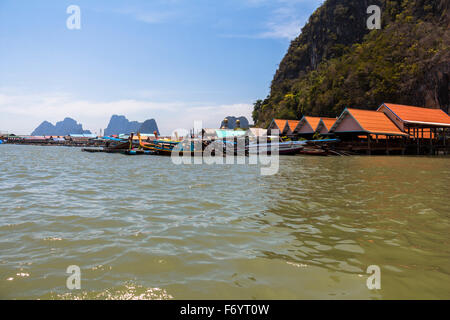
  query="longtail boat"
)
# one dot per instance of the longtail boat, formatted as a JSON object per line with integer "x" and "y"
{"x": 314, "y": 152}
{"x": 138, "y": 152}
{"x": 284, "y": 148}
{"x": 118, "y": 146}
{"x": 319, "y": 147}
{"x": 160, "y": 147}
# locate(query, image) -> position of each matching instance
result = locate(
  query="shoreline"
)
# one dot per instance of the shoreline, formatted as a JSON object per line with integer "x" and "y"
{"x": 101, "y": 150}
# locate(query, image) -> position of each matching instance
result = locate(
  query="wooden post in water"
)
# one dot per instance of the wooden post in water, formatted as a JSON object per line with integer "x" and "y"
{"x": 431, "y": 142}
{"x": 408, "y": 139}
{"x": 403, "y": 145}
{"x": 387, "y": 145}
{"x": 445, "y": 140}
{"x": 416, "y": 134}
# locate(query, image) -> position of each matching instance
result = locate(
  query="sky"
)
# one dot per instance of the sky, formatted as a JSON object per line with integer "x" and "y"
{"x": 177, "y": 61}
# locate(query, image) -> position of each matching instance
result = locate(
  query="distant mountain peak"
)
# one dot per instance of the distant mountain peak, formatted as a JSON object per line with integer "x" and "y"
{"x": 119, "y": 124}
{"x": 62, "y": 128}
{"x": 149, "y": 126}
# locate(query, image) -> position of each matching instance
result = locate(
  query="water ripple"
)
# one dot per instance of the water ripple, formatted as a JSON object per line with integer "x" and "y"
{"x": 143, "y": 228}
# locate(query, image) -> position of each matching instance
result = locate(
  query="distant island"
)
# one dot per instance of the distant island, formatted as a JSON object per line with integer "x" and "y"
{"x": 121, "y": 125}
{"x": 62, "y": 128}
{"x": 232, "y": 122}
{"x": 118, "y": 124}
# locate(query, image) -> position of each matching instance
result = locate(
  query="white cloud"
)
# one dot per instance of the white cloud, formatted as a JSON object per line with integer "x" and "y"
{"x": 22, "y": 113}
{"x": 153, "y": 17}
{"x": 149, "y": 14}
{"x": 288, "y": 30}
{"x": 286, "y": 19}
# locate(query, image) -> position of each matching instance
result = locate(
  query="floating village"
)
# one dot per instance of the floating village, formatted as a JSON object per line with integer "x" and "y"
{"x": 390, "y": 130}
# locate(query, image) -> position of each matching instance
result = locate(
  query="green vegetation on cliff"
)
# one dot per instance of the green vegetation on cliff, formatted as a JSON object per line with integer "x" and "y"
{"x": 337, "y": 62}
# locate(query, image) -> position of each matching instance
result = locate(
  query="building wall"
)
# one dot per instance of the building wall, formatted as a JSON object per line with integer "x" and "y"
{"x": 305, "y": 128}
{"x": 348, "y": 124}
{"x": 323, "y": 130}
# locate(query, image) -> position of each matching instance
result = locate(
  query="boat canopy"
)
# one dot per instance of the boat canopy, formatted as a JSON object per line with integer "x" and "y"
{"x": 166, "y": 141}
{"x": 84, "y": 135}
{"x": 111, "y": 138}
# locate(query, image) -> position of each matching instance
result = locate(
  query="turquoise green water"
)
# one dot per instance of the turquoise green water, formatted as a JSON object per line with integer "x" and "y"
{"x": 143, "y": 228}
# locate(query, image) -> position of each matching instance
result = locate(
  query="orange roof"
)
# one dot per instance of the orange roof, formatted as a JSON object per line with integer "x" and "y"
{"x": 372, "y": 122}
{"x": 328, "y": 122}
{"x": 292, "y": 124}
{"x": 313, "y": 122}
{"x": 419, "y": 115}
{"x": 281, "y": 124}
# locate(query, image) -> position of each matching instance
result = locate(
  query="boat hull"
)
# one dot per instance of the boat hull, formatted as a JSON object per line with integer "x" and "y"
{"x": 283, "y": 148}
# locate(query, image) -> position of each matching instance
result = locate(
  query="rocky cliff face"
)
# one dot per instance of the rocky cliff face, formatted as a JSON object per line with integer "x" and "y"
{"x": 337, "y": 62}
{"x": 121, "y": 125}
{"x": 44, "y": 129}
{"x": 62, "y": 128}
{"x": 232, "y": 122}
{"x": 149, "y": 126}
{"x": 336, "y": 25}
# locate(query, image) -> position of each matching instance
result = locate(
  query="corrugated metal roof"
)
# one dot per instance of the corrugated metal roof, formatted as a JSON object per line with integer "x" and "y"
{"x": 33, "y": 137}
{"x": 281, "y": 124}
{"x": 292, "y": 124}
{"x": 312, "y": 121}
{"x": 258, "y": 132}
{"x": 328, "y": 122}
{"x": 325, "y": 125}
{"x": 83, "y": 135}
{"x": 419, "y": 115}
{"x": 210, "y": 132}
{"x": 369, "y": 121}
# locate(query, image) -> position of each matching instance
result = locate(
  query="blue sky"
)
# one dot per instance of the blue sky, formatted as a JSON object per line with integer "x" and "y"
{"x": 175, "y": 60}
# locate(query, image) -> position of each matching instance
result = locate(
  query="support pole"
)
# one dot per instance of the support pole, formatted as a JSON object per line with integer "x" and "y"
{"x": 387, "y": 145}
{"x": 369, "y": 151}
{"x": 431, "y": 142}
{"x": 417, "y": 139}
{"x": 403, "y": 146}
{"x": 445, "y": 140}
